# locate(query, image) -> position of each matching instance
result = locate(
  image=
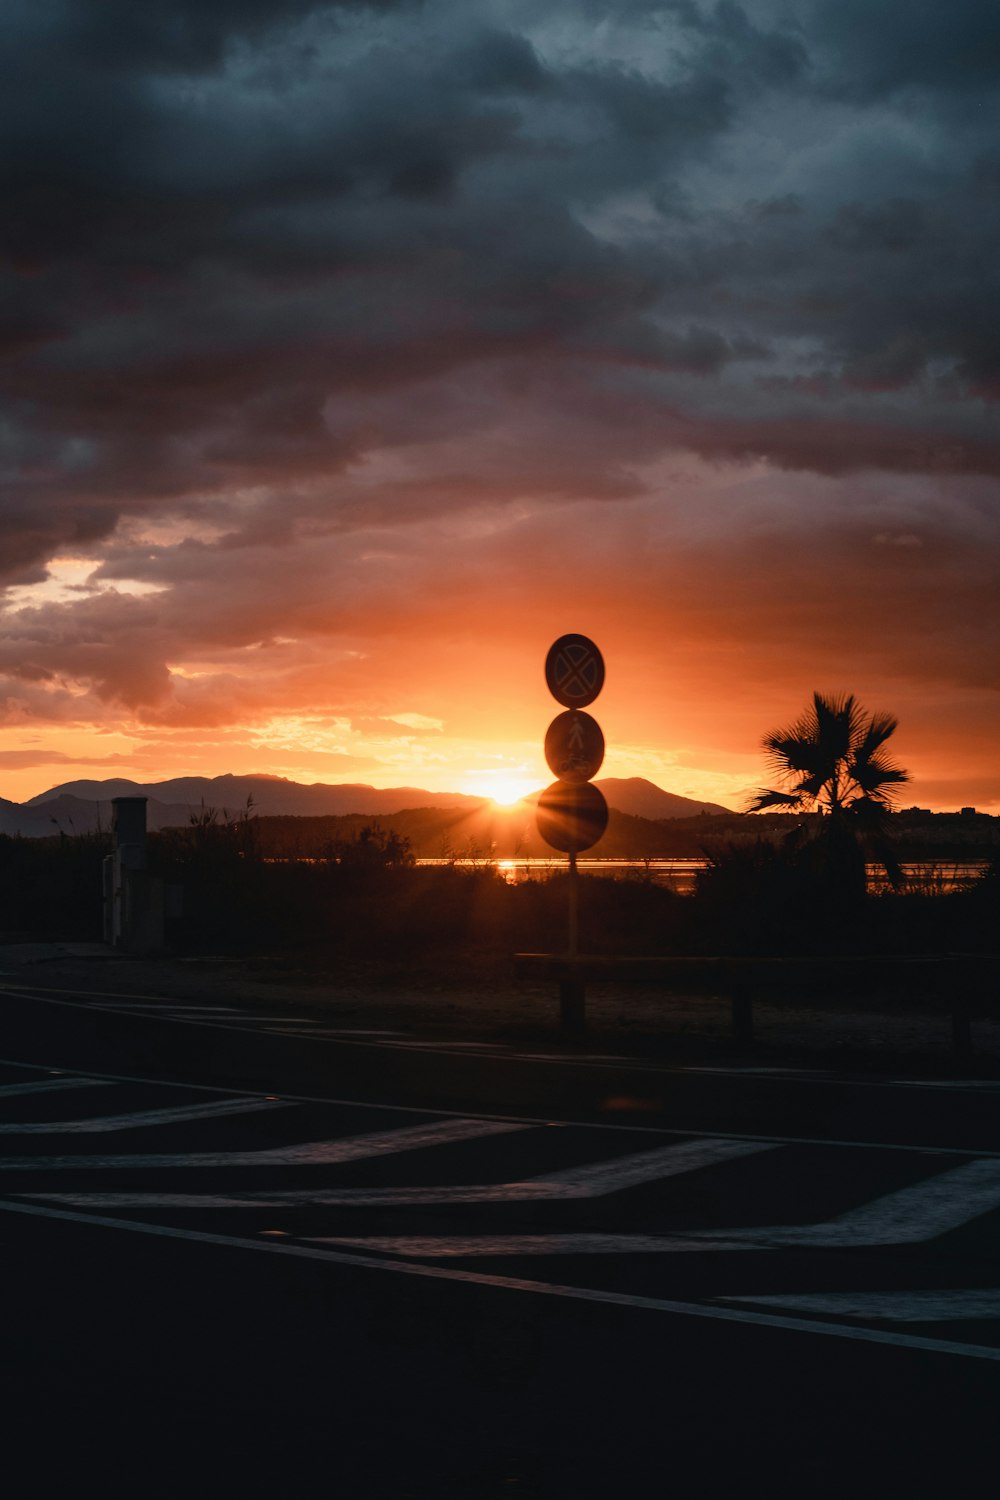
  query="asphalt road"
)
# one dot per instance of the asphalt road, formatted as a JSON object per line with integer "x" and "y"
{"x": 245, "y": 1257}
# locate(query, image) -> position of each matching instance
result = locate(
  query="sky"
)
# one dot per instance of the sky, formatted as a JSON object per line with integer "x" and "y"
{"x": 351, "y": 353}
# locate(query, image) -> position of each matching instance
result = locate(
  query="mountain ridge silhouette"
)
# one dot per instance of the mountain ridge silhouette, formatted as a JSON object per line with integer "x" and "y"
{"x": 80, "y": 806}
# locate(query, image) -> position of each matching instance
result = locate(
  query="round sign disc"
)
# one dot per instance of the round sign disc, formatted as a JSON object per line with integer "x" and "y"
{"x": 571, "y": 816}
{"x": 574, "y": 746}
{"x": 574, "y": 671}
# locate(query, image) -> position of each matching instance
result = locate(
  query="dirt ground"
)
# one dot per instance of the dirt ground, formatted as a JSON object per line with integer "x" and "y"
{"x": 477, "y": 999}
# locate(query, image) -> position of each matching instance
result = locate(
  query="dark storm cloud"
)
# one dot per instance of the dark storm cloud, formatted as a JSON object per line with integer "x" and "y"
{"x": 221, "y": 215}
{"x": 907, "y": 46}
{"x": 153, "y": 340}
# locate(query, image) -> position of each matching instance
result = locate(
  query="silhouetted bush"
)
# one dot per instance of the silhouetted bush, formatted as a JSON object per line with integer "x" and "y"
{"x": 52, "y": 888}
{"x": 368, "y": 900}
{"x": 796, "y": 896}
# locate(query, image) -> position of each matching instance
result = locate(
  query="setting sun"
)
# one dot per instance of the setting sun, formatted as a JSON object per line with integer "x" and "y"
{"x": 507, "y": 796}
{"x": 503, "y": 788}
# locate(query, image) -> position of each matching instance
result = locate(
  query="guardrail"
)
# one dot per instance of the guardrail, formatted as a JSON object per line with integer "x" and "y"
{"x": 948, "y": 978}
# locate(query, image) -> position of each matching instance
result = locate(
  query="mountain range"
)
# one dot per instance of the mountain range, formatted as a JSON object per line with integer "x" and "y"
{"x": 83, "y": 806}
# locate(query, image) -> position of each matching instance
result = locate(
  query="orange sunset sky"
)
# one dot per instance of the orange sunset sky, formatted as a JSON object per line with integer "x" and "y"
{"x": 351, "y": 354}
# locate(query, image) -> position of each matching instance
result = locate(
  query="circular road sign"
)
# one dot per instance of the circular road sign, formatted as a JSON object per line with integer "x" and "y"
{"x": 574, "y": 746}
{"x": 574, "y": 671}
{"x": 571, "y": 816}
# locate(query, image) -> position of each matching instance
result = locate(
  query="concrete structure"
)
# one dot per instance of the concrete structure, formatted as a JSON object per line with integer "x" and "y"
{"x": 133, "y": 899}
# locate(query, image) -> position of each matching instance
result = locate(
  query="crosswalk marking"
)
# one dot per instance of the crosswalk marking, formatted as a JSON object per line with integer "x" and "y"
{"x": 942, "y": 1202}
{"x": 50, "y": 1086}
{"x": 309, "y": 1153}
{"x": 595, "y": 1180}
{"x": 592, "y": 1181}
{"x": 910, "y": 1216}
{"x": 889, "y": 1307}
{"x": 142, "y": 1118}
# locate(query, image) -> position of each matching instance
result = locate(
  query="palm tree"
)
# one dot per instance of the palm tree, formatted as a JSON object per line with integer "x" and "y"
{"x": 833, "y": 760}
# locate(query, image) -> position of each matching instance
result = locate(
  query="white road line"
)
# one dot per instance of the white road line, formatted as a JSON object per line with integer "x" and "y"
{"x": 451, "y": 1247}
{"x": 910, "y": 1216}
{"x": 126, "y": 1003}
{"x": 139, "y": 1119}
{"x": 50, "y": 1085}
{"x": 595, "y": 1181}
{"x": 890, "y": 1307}
{"x": 463, "y": 1046}
{"x": 310, "y": 1153}
{"x": 171, "y": 1007}
{"x": 287, "y": 1020}
{"x": 964, "y": 1085}
{"x": 604, "y": 1177}
{"x": 520, "y": 1284}
{"x": 325, "y": 1032}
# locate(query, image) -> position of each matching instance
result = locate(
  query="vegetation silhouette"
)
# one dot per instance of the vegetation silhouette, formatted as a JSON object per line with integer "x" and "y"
{"x": 367, "y": 904}
{"x": 832, "y": 761}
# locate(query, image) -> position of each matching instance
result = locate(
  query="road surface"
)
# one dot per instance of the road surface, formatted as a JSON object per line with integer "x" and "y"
{"x": 249, "y": 1253}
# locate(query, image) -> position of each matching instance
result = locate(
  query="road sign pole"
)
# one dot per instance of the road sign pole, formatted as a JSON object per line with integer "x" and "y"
{"x": 574, "y": 907}
{"x": 572, "y": 996}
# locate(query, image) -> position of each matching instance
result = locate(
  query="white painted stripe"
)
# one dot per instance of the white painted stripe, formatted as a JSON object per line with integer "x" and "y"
{"x": 601, "y": 1178}
{"x": 162, "y": 1007}
{"x": 179, "y": 1007}
{"x": 327, "y": 1032}
{"x": 449, "y": 1247}
{"x": 381, "y": 1106}
{"x": 521, "y": 1284}
{"x": 69, "y": 996}
{"x": 813, "y": 1076}
{"x": 890, "y": 1307}
{"x": 142, "y": 1118}
{"x": 595, "y": 1181}
{"x": 310, "y": 1153}
{"x": 286, "y": 1020}
{"x": 466, "y": 1046}
{"x": 910, "y": 1216}
{"x": 50, "y": 1085}
{"x": 964, "y": 1085}
{"x": 125, "y": 1000}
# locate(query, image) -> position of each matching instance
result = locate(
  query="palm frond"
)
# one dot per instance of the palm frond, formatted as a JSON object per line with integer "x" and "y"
{"x": 769, "y": 798}
{"x": 876, "y": 732}
{"x": 836, "y": 722}
{"x": 875, "y": 775}
{"x": 790, "y": 750}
